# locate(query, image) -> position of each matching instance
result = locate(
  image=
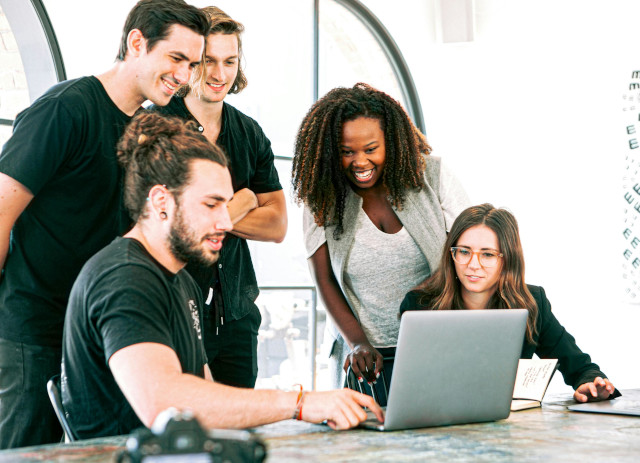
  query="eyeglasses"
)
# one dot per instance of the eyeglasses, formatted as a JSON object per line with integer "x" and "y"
{"x": 486, "y": 258}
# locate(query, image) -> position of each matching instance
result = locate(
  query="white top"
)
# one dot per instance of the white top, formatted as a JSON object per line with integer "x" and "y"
{"x": 381, "y": 268}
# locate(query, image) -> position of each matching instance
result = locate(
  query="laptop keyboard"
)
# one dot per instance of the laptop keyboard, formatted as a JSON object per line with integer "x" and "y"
{"x": 371, "y": 420}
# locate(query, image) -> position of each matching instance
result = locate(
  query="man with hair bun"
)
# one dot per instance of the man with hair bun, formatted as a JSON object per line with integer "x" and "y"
{"x": 258, "y": 209}
{"x": 132, "y": 339}
{"x": 60, "y": 186}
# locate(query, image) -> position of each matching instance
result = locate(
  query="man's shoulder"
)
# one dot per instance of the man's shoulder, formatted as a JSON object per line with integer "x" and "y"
{"x": 123, "y": 256}
{"x": 73, "y": 95}
{"x": 81, "y": 89}
{"x": 237, "y": 118}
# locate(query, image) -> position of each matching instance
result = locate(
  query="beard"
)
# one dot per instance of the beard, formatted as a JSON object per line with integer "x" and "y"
{"x": 186, "y": 246}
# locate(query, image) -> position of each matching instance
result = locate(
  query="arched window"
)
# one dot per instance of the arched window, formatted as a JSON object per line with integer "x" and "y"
{"x": 30, "y": 57}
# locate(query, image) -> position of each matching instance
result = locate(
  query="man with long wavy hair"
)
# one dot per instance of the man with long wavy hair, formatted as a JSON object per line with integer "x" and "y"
{"x": 258, "y": 209}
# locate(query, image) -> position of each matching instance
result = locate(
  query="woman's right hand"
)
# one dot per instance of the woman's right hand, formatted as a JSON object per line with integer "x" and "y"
{"x": 365, "y": 361}
{"x": 599, "y": 389}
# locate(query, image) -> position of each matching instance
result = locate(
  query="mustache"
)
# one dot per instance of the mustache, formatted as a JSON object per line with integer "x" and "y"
{"x": 215, "y": 236}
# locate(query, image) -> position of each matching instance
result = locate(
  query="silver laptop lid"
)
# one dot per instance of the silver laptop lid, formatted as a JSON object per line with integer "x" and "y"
{"x": 454, "y": 366}
{"x": 628, "y": 404}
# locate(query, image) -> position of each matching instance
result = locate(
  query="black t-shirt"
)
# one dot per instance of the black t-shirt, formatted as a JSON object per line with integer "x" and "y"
{"x": 122, "y": 297}
{"x": 252, "y": 166}
{"x": 63, "y": 150}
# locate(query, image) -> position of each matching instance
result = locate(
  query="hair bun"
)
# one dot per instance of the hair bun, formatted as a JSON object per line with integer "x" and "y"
{"x": 144, "y": 132}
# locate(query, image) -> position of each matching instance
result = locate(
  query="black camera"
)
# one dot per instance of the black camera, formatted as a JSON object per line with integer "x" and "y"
{"x": 178, "y": 437}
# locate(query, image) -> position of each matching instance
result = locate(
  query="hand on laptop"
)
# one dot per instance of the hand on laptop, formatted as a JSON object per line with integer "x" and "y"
{"x": 365, "y": 361}
{"x": 342, "y": 408}
{"x": 599, "y": 389}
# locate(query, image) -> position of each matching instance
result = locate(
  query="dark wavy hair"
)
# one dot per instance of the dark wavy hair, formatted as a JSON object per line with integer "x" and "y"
{"x": 158, "y": 150}
{"x": 154, "y": 18}
{"x": 317, "y": 177}
{"x": 443, "y": 290}
{"x": 221, "y": 23}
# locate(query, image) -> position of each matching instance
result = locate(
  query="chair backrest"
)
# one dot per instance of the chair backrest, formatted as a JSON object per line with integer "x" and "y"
{"x": 380, "y": 390}
{"x": 53, "y": 388}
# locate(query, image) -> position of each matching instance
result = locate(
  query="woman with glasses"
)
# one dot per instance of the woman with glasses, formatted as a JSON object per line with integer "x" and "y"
{"x": 482, "y": 267}
{"x": 377, "y": 210}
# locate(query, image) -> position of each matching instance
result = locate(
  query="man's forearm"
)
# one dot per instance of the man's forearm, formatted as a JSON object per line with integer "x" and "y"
{"x": 262, "y": 224}
{"x": 4, "y": 250}
{"x": 219, "y": 406}
{"x": 151, "y": 379}
{"x": 267, "y": 222}
{"x": 14, "y": 198}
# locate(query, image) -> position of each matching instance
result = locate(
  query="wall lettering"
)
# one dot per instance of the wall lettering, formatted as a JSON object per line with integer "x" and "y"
{"x": 630, "y": 245}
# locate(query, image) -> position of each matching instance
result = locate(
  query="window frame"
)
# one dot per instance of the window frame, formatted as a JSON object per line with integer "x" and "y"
{"x": 37, "y": 44}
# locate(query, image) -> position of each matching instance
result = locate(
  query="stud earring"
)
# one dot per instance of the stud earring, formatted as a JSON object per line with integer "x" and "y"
{"x": 163, "y": 215}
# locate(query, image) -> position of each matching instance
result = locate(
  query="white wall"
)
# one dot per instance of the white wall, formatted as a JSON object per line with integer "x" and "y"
{"x": 529, "y": 115}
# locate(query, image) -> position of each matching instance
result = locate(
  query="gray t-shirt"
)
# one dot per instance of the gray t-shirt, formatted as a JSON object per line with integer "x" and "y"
{"x": 381, "y": 269}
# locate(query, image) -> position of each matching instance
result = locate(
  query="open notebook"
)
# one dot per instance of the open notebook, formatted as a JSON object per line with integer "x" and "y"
{"x": 532, "y": 381}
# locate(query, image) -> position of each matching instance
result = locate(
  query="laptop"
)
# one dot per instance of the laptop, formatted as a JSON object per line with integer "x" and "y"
{"x": 453, "y": 367}
{"x": 628, "y": 404}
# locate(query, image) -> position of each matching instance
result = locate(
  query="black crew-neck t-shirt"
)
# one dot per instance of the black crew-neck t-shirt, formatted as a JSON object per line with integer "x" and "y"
{"x": 122, "y": 297}
{"x": 63, "y": 149}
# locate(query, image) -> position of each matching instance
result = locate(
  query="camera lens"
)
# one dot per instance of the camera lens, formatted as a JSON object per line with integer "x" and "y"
{"x": 183, "y": 442}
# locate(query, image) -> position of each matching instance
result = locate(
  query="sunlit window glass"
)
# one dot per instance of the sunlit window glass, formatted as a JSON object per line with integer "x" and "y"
{"x": 14, "y": 94}
{"x": 349, "y": 53}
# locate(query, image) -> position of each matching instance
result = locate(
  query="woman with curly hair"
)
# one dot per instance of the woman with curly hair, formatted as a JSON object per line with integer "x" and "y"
{"x": 377, "y": 211}
{"x": 482, "y": 267}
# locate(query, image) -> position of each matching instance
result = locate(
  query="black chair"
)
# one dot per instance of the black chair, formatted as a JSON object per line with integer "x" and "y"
{"x": 380, "y": 390}
{"x": 53, "y": 388}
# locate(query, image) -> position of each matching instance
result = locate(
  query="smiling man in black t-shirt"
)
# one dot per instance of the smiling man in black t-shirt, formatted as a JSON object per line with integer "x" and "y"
{"x": 60, "y": 190}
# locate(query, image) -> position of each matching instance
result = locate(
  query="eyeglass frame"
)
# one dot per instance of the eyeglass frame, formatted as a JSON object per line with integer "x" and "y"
{"x": 476, "y": 253}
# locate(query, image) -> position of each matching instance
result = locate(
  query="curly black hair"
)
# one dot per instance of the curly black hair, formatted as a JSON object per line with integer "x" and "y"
{"x": 317, "y": 176}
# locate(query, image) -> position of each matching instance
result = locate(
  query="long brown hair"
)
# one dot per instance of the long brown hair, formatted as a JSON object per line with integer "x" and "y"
{"x": 221, "y": 23}
{"x": 443, "y": 289}
{"x": 317, "y": 176}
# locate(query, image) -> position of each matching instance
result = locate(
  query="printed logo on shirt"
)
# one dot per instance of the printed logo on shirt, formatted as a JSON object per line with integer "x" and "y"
{"x": 196, "y": 317}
